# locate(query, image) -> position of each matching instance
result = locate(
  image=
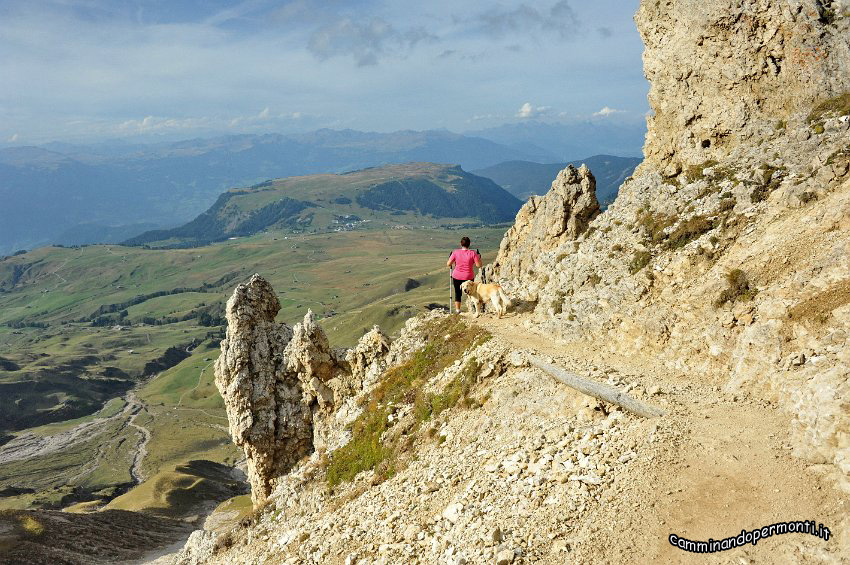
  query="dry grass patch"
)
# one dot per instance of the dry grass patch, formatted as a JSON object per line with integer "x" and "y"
{"x": 771, "y": 177}
{"x": 738, "y": 288}
{"x": 639, "y": 260}
{"x": 688, "y": 230}
{"x": 816, "y": 310}
{"x": 694, "y": 173}
{"x": 654, "y": 224}
{"x": 30, "y": 525}
{"x": 837, "y": 106}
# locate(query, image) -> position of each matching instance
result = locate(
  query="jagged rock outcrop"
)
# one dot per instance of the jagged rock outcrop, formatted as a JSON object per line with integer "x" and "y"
{"x": 199, "y": 548}
{"x": 545, "y": 222}
{"x": 726, "y": 72}
{"x": 368, "y": 358}
{"x": 281, "y": 385}
{"x": 310, "y": 356}
{"x": 268, "y": 411}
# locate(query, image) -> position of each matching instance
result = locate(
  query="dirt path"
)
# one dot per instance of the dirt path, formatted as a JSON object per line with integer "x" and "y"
{"x": 194, "y": 388}
{"x": 720, "y": 463}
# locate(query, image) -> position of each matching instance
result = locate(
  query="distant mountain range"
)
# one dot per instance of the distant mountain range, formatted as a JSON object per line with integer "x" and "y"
{"x": 524, "y": 178}
{"x": 566, "y": 140}
{"x": 108, "y": 192}
{"x": 89, "y": 194}
{"x": 412, "y": 194}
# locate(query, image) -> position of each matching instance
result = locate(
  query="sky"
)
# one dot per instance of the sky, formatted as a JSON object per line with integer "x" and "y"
{"x": 88, "y": 70}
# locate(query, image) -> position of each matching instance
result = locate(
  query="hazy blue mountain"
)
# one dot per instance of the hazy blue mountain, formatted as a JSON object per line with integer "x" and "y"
{"x": 71, "y": 194}
{"x": 566, "y": 140}
{"x": 524, "y": 178}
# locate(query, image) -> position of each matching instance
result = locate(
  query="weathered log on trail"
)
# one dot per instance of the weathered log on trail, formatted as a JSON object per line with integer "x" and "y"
{"x": 598, "y": 390}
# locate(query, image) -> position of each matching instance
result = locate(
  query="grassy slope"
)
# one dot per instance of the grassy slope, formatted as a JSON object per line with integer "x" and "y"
{"x": 334, "y": 196}
{"x": 359, "y": 274}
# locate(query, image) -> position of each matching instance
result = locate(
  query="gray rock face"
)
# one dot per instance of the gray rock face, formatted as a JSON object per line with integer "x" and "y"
{"x": 310, "y": 357}
{"x": 281, "y": 385}
{"x": 199, "y": 548}
{"x": 547, "y": 221}
{"x": 725, "y": 72}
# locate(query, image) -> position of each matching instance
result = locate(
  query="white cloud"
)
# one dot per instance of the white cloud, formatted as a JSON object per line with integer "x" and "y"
{"x": 606, "y": 111}
{"x": 481, "y": 117}
{"x": 527, "y": 111}
{"x": 263, "y": 121}
{"x": 150, "y": 124}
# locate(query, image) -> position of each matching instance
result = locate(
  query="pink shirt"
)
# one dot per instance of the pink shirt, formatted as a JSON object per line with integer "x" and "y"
{"x": 464, "y": 260}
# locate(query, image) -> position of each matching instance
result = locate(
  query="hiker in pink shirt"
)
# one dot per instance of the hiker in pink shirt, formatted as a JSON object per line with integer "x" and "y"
{"x": 463, "y": 260}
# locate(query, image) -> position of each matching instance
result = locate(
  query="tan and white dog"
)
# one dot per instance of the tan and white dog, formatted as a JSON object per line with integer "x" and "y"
{"x": 480, "y": 294}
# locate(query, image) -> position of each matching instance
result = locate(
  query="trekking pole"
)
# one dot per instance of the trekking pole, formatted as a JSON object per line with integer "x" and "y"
{"x": 482, "y": 270}
{"x": 450, "y": 286}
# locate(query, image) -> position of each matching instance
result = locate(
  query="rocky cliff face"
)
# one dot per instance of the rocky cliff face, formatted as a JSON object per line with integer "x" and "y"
{"x": 725, "y": 72}
{"x": 726, "y": 254}
{"x": 283, "y": 387}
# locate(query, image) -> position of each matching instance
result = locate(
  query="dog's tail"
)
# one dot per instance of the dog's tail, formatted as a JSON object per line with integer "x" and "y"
{"x": 505, "y": 298}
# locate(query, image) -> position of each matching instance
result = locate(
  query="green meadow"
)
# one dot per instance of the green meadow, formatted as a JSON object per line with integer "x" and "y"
{"x": 73, "y": 342}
